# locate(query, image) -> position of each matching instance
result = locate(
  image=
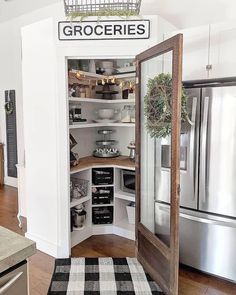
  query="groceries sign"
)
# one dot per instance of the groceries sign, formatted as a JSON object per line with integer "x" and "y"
{"x": 104, "y": 30}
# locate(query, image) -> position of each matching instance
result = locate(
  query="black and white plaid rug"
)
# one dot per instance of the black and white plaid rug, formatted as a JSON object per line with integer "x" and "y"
{"x": 101, "y": 276}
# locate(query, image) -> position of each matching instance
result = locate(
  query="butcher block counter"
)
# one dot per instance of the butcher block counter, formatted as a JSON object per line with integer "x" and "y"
{"x": 123, "y": 162}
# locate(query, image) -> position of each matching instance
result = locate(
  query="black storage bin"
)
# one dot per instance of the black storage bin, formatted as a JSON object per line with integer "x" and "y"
{"x": 102, "y": 195}
{"x": 102, "y": 176}
{"x": 102, "y": 215}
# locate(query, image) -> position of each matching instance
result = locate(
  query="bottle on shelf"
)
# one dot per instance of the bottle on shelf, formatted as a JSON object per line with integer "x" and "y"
{"x": 126, "y": 114}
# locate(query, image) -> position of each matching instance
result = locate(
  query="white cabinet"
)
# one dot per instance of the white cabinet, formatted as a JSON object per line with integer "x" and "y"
{"x": 195, "y": 53}
{"x": 222, "y": 50}
{"x": 213, "y": 45}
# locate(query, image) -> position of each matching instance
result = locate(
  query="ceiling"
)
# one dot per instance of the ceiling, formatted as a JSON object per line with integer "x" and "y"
{"x": 182, "y": 13}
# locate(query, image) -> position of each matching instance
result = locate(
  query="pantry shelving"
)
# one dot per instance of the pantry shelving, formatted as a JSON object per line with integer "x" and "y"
{"x": 78, "y": 74}
{"x": 85, "y": 134}
{"x": 76, "y": 202}
{"x": 91, "y": 125}
{"x": 101, "y": 101}
{"x": 103, "y": 205}
{"x": 124, "y": 196}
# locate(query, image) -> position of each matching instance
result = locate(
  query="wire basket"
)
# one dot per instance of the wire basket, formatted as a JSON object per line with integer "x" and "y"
{"x": 79, "y": 188}
{"x": 96, "y": 7}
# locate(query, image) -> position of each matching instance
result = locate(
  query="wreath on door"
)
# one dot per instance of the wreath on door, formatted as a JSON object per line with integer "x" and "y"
{"x": 157, "y": 106}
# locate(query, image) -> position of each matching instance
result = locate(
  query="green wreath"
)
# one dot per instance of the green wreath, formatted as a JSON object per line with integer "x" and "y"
{"x": 157, "y": 106}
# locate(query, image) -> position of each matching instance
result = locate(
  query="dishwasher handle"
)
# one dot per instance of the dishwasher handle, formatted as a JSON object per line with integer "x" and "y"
{"x": 10, "y": 283}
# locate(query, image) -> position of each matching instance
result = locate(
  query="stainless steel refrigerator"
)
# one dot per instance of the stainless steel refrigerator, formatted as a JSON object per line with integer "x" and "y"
{"x": 208, "y": 182}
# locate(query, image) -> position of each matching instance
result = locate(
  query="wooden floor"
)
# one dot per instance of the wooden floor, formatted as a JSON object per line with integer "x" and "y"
{"x": 41, "y": 265}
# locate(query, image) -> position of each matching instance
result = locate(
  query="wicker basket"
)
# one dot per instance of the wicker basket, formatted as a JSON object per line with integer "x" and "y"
{"x": 131, "y": 214}
{"x": 92, "y": 7}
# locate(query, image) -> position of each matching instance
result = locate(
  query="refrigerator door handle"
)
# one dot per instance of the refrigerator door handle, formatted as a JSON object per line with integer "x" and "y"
{"x": 208, "y": 221}
{"x": 192, "y": 163}
{"x": 203, "y": 151}
{"x": 217, "y": 221}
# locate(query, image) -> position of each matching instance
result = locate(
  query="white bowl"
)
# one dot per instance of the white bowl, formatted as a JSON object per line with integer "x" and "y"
{"x": 106, "y": 113}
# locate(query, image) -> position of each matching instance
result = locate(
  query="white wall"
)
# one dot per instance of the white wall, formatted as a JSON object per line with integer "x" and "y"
{"x": 48, "y": 208}
{"x": 48, "y": 214}
{"x": 10, "y": 70}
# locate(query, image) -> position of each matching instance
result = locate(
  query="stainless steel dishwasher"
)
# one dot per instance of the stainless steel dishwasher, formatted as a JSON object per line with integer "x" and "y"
{"x": 14, "y": 281}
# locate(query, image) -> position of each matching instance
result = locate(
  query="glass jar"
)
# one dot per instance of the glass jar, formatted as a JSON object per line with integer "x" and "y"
{"x": 125, "y": 114}
{"x": 132, "y": 114}
{"x": 82, "y": 92}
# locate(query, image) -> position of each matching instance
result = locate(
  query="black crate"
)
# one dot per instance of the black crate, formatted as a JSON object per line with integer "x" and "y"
{"x": 102, "y": 215}
{"x": 102, "y": 195}
{"x": 102, "y": 176}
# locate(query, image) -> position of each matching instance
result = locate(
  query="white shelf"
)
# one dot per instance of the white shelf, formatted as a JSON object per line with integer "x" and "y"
{"x": 102, "y": 225}
{"x": 102, "y": 185}
{"x": 103, "y": 101}
{"x": 99, "y": 76}
{"x": 125, "y": 75}
{"x": 103, "y": 205}
{"x": 76, "y": 202}
{"x": 91, "y": 125}
{"x": 125, "y": 196}
{"x": 88, "y": 74}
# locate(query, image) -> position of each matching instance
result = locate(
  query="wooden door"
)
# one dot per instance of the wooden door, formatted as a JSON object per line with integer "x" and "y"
{"x": 158, "y": 244}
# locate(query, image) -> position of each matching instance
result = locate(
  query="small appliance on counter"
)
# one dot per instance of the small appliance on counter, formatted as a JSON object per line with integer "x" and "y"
{"x": 105, "y": 147}
{"x": 127, "y": 181}
{"x": 78, "y": 214}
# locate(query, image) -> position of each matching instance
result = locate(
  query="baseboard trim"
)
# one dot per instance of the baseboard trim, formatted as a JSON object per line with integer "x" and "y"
{"x": 11, "y": 181}
{"x": 43, "y": 245}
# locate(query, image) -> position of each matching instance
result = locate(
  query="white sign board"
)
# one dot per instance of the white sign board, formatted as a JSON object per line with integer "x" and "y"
{"x": 104, "y": 30}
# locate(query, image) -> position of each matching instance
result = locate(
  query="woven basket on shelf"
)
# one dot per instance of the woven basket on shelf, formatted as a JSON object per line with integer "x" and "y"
{"x": 92, "y": 7}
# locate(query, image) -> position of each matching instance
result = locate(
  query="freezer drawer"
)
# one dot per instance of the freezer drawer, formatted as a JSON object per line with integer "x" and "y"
{"x": 207, "y": 242}
{"x": 14, "y": 281}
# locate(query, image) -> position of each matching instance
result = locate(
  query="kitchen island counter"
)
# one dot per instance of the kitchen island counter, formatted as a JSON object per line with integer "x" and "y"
{"x": 14, "y": 249}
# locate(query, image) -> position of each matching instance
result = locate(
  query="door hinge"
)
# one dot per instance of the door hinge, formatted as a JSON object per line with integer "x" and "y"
{"x": 179, "y": 189}
{"x": 208, "y": 67}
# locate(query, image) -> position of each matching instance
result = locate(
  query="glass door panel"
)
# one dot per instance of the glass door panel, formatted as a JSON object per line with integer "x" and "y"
{"x": 155, "y": 151}
{"x": 158, "y": 117}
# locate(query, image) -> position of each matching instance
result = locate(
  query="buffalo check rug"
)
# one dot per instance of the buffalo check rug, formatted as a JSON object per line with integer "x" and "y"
{"x": 101, "y": 276}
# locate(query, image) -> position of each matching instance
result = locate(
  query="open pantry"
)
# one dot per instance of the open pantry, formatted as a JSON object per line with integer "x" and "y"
{"x": 101, "y": 104}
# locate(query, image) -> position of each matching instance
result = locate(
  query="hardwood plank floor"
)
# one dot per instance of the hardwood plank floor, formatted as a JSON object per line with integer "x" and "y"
{"x": 191, "y": 282}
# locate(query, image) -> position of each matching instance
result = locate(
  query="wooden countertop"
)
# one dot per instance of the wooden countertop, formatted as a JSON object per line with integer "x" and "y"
{"x": 89, "y": 162}
{"x": 14, "y": 248}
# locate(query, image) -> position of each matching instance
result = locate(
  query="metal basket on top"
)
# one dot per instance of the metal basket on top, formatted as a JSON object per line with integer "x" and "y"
{"x": 95, "y": 7}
